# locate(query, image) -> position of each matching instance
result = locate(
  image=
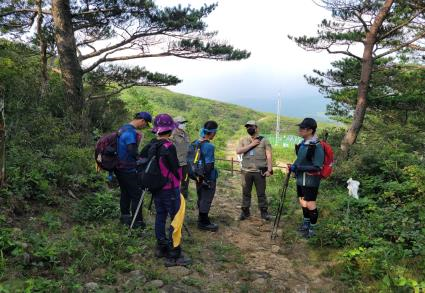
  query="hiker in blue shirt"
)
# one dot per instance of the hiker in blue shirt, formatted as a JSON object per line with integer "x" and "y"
{"x": 206, "y": 188}
{"x": 126, "y": 173}
{"x": 307, "y": 167}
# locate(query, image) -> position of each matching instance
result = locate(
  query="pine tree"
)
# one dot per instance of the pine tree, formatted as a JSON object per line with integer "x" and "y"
{"x": 375, "y": 27}
{"x": 89, "y": 36}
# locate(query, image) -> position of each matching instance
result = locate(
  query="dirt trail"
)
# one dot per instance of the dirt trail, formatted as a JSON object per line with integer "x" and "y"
{"x": 275, "y": 268}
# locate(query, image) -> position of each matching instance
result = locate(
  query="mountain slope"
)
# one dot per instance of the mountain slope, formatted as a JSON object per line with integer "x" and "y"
{"x": 231, "y": 118}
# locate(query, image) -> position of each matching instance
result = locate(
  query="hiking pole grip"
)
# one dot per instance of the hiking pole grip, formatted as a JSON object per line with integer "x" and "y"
{"x": 137, "y": 209}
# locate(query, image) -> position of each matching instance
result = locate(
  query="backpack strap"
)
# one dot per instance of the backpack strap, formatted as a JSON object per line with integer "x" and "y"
{"x": 311, "y": 150}
{"x": 201, "y": 156}
{"x": 297, "y": 148}
{"x": 260, "y": 138}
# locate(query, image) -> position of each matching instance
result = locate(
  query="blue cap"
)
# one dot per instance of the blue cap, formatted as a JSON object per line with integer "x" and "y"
{"x": 144, "y": 115}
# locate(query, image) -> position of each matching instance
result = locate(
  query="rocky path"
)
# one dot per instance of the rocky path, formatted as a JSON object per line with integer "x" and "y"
{"x": 275, "y": 268}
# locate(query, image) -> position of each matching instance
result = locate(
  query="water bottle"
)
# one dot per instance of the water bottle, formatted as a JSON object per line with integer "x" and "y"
{"x": 110, "y": 176}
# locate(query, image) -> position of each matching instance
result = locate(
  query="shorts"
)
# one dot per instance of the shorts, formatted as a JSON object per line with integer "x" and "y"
{"x": 307, "y": 192}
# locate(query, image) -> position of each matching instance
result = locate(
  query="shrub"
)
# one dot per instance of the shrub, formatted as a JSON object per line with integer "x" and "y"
{"x": 99, "y": 206}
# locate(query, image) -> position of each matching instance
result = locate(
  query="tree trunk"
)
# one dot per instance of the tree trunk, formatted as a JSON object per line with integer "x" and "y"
{"x": 72, "y": 74}
{"x": 43, "y": 49}
{"x": 2, "y": 141}
{"x": 366, "y": 72}
{"x": 85, "y": 124}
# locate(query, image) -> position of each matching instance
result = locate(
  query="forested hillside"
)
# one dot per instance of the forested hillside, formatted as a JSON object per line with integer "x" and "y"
{"x": 231, "y": 118}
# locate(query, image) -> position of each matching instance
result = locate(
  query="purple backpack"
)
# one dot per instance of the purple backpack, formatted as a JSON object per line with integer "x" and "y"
{"x": 105, "y": 153}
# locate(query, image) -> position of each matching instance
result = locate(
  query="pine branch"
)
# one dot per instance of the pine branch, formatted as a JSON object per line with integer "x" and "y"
{"x": 404, "y": 45}
{"x": 23, "y": 11}
{"x": 396, "y": 28}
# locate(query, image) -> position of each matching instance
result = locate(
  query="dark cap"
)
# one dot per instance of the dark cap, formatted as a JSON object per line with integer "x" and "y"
{"x": 308, "y": 123}
{"x": 144, "y": 115}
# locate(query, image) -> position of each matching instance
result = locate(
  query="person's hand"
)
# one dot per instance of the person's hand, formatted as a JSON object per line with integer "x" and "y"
{"x": 255, "y": 142}
{"x": 268, "y": 173}
{"x": 292, "y": 168}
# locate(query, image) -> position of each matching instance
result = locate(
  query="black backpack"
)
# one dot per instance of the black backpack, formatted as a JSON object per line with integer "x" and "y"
{"x": 195, "y": 161}
{"x": 149, "y": 172}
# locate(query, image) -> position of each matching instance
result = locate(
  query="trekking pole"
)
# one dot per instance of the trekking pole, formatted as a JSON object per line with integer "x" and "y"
{"x": 138, "y": 208}
{"x": 187, "y": 230}
{"x": 280, "y": 207}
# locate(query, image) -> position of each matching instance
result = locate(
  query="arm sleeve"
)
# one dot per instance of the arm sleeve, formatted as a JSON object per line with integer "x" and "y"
{"x": 295, "y": 163}
{"x": 132, "y": 150}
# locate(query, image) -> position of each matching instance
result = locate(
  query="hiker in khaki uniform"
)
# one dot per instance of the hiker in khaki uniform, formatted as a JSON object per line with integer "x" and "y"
{"x": 256, "y": 154}
{"x": 181, "y": 140}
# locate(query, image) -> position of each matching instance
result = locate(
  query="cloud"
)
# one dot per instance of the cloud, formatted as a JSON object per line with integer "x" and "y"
{"x": 276, "y": 62}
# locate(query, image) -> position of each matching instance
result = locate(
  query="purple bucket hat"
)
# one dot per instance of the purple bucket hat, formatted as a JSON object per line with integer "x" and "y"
{"x": 163, "y": 123}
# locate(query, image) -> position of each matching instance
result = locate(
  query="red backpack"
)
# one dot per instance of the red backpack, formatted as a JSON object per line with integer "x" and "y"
{"x": 326, "y": 171}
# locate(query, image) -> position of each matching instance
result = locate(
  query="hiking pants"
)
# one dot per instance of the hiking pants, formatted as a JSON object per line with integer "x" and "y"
{"x": 130, "y": 193}
{"x": 205, "y": 196}
{"x": 184, "y": 185}
{"x": 249, "y": 179}
{"x": 167, "y": 202}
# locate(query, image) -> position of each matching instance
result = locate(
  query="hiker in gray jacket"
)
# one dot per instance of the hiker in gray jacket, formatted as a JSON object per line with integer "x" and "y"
{"x": 181, "y": 140}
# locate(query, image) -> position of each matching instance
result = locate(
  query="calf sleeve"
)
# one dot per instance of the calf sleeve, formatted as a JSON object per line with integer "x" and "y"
{"x": 314, "y": 214}
{"x": 306, "y": 213}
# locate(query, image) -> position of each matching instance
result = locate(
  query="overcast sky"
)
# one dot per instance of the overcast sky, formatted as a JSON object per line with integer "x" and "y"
{"x": 276, "y": 63}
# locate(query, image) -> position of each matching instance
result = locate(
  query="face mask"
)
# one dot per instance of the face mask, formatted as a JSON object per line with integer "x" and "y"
{"x": 182, "y": 126}
{"x": 251, "y": 131}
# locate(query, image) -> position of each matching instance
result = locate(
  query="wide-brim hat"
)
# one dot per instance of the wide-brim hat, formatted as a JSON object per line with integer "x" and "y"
{"x": 163, "y": 123}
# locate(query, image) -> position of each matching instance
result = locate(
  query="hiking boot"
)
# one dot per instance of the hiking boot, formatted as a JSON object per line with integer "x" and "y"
{"x": 161, "y": 249}
{"x": 180, "y": 261}
{"x": 205, "y": 224}
{"x": 304, "y": 226}
{"x": 265, "y": 214}
{"x": 245, "y": 214}
{"x": 310, "y": 232}
{"x": 125, "y": 220}
{"x": 208, "y": 227}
